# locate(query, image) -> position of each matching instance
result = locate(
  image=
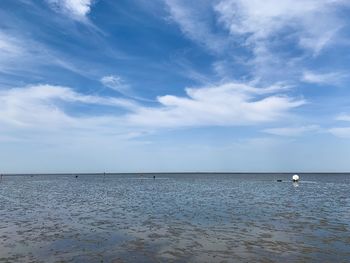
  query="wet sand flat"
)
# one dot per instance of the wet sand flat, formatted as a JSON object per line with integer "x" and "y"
{"x": 175, "y": 218}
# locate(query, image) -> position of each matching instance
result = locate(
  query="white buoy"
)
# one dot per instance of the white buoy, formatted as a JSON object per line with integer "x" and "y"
{"x": 295, "y": 178}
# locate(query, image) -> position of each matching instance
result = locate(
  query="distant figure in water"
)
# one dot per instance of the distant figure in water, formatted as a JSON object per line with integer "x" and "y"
{"x": 76, "y": 176}
{"x": 154, "y": 177}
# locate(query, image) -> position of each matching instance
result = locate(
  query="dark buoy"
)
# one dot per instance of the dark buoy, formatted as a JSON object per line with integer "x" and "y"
{"x": 76, "y": 176}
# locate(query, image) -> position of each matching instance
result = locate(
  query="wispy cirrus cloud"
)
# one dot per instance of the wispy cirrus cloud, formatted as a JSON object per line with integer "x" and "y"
{"x": 332, "y": 78}
{"x": 194, "y": 22}
{"x": 343, "y": 117}
{"x": 76, "y": 9}
{"x": 266, "y": 28}
{"x": 341, "y": 132}
{"x": 21, "y": 54}
{"x": 24, "y": 56}
{"x": 292, "y": 131}
{"x": 259, "y": 21}
{"x": 262, "y": 30}
{"x": 119, "y": 84}
{"x": 116, "y": 83}
{"x": 9, "y": 46}
{"x": 314, "y": 23}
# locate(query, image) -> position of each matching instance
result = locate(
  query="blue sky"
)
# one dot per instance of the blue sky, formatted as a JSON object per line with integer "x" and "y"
{"x": 174, "y": 85}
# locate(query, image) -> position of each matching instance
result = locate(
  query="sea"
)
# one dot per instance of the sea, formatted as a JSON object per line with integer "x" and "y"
{"x": 188, "y": 217}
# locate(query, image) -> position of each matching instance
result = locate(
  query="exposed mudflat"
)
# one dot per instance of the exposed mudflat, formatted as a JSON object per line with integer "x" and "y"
{"x": 174, "y": 218}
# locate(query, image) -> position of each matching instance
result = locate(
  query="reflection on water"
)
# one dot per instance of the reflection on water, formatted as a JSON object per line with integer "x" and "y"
{"x": 175, "y": 218}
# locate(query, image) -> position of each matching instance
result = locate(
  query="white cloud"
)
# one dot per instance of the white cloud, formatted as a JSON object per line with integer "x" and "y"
{"x": 333, "y": 78}
{"x": 314, "y": 20}
{"x": 9, "y": 46}
{"x": 292, "y": 131}
{"x": 77, "y": 9}
{"x": 343, "y": 117}
{"x": 43, "y": 120}
{"x": 342, "y": 132}
{"x": 20, "y": 55}
{"x": 266, "y": 28}
{"x": 194, "y": 22}
{"x": 116, "y": 83}
{"x": 225, "y": 105}
{"x": 41, "y": 107}
{"x": 10, "y": 49}
{"x": 263, "y": 29}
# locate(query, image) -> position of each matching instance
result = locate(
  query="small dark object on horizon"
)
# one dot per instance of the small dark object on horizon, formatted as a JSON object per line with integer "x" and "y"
{"x": 76, "y": 176}
{"x": 154, "y": 177}
{"x": 279, "y": 180}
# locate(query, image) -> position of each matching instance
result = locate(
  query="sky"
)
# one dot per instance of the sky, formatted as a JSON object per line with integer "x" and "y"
{"x": 174, "y": 86}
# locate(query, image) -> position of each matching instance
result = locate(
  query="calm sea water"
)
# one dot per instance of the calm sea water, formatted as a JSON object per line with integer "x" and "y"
{"x": 175, "y": 218}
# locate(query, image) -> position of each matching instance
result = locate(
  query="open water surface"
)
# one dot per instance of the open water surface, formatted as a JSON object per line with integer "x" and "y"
{"x": 175, "y": 218}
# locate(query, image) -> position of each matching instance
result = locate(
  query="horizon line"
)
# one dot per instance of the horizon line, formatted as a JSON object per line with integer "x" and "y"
{"x": 141, "y": 173}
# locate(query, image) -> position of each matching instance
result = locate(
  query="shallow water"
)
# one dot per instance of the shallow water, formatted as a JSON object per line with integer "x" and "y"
{"x": 175, "y": 218}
